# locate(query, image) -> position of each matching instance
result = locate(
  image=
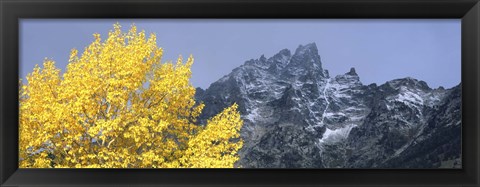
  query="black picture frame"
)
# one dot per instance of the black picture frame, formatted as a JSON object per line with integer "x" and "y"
{"x": 13, "y": 10}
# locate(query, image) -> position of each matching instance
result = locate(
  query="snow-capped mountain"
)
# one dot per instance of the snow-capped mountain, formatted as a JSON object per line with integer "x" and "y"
{"x": 297, "y": 116}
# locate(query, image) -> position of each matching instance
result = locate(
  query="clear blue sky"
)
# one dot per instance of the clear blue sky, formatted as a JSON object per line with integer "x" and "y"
{"x": 380, "y": 50}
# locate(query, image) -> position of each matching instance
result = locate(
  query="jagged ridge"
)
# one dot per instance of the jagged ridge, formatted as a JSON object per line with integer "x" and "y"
{"x": 297, "y": 116}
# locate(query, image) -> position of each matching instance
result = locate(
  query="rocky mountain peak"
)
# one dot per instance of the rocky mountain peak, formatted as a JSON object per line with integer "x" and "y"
{"x": 279, "y": 60}
{"x": 349, "y": 78}
{"x": 305, "y": 60}
{"x": 308, "y": 48}
{"x": 296, "y": 116}
{"x": 262, "y": 58}
{"x": 408, "y": 82}
{"x": 352, "y": 72}
{"x": 283, "y": 52}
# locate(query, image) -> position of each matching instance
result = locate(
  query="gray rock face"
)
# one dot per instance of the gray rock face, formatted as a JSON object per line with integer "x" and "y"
{"x": 297, "y": 116}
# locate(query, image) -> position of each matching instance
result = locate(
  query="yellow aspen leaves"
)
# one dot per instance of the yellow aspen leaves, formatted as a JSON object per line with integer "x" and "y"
{"x": 118, "y": 106}
{"x": 216, "y": 144}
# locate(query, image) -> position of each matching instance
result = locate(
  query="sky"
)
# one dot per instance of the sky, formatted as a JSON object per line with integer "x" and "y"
{"x": 379, "y": 49}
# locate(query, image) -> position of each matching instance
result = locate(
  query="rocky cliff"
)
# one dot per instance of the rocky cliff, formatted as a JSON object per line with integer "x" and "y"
{"x": 297, "y": 116}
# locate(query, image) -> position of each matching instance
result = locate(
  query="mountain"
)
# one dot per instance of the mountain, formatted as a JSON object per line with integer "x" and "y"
{"x": 297, "y": 116}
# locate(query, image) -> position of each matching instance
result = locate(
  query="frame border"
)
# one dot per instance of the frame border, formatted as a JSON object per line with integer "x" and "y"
{"x": 13, "y": 10}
